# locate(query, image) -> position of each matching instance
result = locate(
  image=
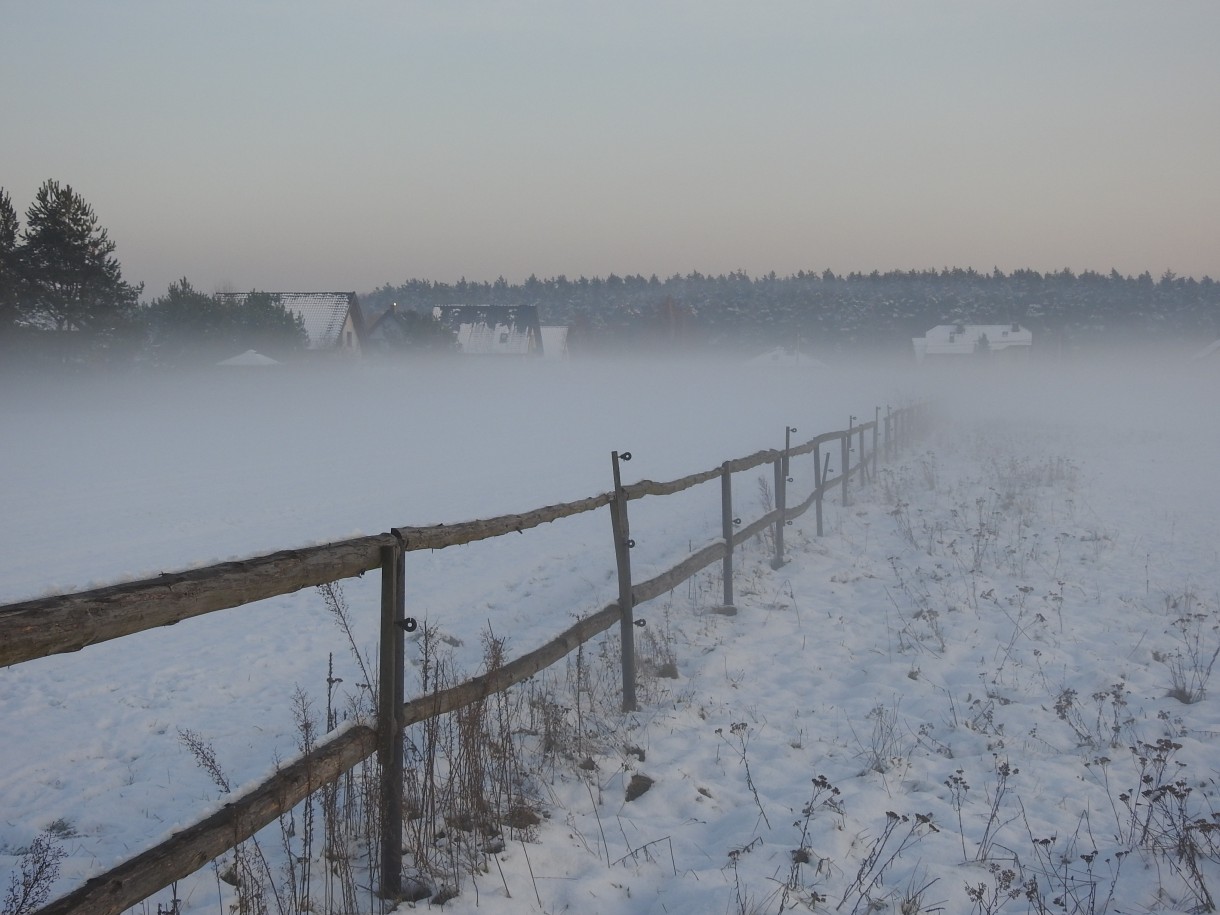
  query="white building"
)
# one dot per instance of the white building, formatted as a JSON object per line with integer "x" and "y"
{"x": 945, "y": 342}
{"x": 493, "y": 330}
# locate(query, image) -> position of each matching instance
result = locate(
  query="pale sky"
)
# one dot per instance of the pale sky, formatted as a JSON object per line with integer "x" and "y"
{"x": 302, "y": 145}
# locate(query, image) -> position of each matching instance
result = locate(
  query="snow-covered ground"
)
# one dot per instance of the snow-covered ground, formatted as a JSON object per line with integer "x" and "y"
{"x": 1006, "y": 609}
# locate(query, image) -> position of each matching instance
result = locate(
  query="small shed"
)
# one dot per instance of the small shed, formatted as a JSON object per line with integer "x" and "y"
{"x": 333, "y": 320}
{"x": 952, "y": 342}
{"x": 401, "y": 330}
{"x": 387, "y": 330}
{"x": 493, "y": 330}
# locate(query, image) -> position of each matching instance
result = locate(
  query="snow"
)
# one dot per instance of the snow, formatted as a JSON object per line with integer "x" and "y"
{"x": 977, "y": 608}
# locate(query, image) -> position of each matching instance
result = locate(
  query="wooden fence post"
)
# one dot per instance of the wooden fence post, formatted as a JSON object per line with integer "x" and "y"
{"x": 389, "y": 732}
{"x": 889, "y": 434}
{"x": 726, "y": 529}
{"x": 864, "y": 473}
{"x": 876, "y": 425}
{"x": 819, "y": 476}
{"x": 781, "y": 498}
{"x": 626, "y": 600}
{"x": 845, "y": 453}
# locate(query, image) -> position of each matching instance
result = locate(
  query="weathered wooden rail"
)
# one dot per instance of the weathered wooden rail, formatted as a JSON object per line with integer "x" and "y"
{"x": 52, "y": 625}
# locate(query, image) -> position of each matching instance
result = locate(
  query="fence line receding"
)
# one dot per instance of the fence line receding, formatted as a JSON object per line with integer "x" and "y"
{"x": 64, "y": 623}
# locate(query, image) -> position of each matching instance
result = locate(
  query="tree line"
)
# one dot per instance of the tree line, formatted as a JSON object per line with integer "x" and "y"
{"x": 62, "y": 291}
{"x": 826, "y": 311}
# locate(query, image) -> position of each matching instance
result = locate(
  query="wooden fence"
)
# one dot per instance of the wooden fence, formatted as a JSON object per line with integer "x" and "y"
{"x": 38, "y": 628}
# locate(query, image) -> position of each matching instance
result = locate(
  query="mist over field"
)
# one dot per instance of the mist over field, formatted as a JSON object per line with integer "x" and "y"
{"x": 345, "y": 449}
{"x": 199, "y": 466}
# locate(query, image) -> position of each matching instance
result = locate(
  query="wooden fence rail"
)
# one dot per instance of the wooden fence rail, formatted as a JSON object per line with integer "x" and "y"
{"x": 51, "y": 625}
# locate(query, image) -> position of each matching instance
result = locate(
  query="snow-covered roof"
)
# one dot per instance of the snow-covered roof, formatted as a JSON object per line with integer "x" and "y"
{"x": 510, "y": 330}
{"x": 323, "y": 313}
{"x": 965, "y": 339}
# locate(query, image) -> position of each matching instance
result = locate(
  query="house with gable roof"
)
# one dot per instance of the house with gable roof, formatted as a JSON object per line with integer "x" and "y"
{"x": 333, "y": 320}
{"x": 493, "y": 330}
{"x": 403, "y": 330}
{"x": 953, "y": 342}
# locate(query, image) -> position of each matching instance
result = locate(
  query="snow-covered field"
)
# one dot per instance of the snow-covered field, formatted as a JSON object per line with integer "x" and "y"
{"x": 1006, "y": 609}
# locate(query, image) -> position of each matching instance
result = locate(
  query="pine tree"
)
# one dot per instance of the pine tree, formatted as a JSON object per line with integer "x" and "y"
{"x": 10, "y": 271}
{"x": 185, "y": 319}
{"x": 263, "y": 322}
{"x": 188, "y": 324}
{"x": 74, "y": 280}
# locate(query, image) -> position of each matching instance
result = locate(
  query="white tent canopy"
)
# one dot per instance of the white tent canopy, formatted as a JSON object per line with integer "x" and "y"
{"x": 249, "y": 357}
{"x": 783, "y": 355}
